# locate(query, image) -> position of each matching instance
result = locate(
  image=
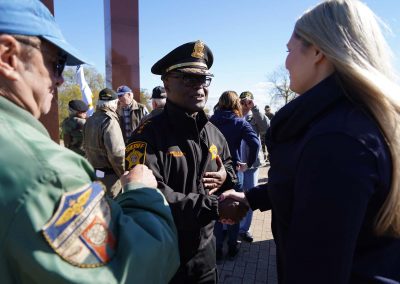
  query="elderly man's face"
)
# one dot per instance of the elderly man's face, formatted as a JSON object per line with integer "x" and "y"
{"x": 41, "y": 75}
{"x": 125, "y": 99}
{"x": 189, "y": 92}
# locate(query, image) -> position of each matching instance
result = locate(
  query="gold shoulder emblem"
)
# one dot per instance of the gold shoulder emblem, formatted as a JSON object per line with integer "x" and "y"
{"x": 75, "y": 208}
{"x": 198, "y": 49}
{"x": 214, "y": 151}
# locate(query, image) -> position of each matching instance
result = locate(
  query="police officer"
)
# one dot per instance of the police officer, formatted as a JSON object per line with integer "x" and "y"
{"x": 56, "y": 225}
{"x": 158, "y": 100}
{"x": 189, "y": 157}
{"x": 72, "y": 126}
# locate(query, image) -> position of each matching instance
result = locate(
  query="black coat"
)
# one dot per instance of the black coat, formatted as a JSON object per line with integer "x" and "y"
{"x": 179, "y": 149}
{"x": 330, "y": 174}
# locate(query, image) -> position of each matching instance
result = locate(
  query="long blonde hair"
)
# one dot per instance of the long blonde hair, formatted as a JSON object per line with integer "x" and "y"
{"x": 349, "y": 34}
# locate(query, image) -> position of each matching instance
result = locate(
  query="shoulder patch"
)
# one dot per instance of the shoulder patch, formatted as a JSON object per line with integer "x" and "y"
{"x": 214, "y": 151}
{"x": 81, "y": 231}
{"x": 139, "y": 130}
{"x": 135, "y": 153}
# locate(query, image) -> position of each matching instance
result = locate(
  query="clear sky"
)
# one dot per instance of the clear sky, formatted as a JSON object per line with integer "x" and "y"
{"x": 247, "y": 37}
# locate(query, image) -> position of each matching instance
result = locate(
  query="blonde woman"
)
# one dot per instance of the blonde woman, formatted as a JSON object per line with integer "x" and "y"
{"x": 334, "y": 180}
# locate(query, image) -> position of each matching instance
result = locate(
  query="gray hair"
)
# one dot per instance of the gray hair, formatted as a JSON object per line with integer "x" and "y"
{"x": 349, "y": 34}
{"x": 112, "y": 105}
{"x": 160, "y": 102}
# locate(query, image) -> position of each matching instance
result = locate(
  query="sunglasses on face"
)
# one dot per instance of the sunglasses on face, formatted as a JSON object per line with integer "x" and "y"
{"x": 57, "y": 64}
{"x": 193, "y": 80}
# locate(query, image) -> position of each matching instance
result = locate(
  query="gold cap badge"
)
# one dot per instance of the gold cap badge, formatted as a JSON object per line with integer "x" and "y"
{"x": 198, "y": 49}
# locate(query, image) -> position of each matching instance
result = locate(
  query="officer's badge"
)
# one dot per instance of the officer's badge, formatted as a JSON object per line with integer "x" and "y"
{"x": 214, "y": 151}
{"x": 81, "y": 231}
{"x": 198, "y": 50}
{"x": 135, "y": 154}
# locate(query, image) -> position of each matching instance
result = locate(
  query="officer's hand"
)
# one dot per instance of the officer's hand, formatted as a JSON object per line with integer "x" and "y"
{"x": 231, "y": 211}
{"x": 140, "y": 173}
{"x": 214, "y": 180}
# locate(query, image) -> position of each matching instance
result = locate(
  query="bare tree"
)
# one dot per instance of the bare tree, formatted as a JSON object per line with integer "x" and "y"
{"x": 280, "y": 82}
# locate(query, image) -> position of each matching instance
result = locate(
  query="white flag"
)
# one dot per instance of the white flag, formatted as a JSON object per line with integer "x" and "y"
{"x": 86, "y": 92}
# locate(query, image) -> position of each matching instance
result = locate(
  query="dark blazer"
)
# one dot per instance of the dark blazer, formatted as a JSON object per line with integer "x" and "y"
{"x": 330, "y": 174}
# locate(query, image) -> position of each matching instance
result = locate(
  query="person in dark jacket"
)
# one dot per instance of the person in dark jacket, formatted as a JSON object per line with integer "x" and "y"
{"x": 72, "y": 126}
{"x": 158, "y": 101}
{"x": 334, "y": 181}
{"x": 189, "y": 157}
{"x": 228, "y": 118}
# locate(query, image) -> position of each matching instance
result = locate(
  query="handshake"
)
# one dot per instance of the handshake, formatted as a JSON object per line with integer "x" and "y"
{"x": 231, "y": 211}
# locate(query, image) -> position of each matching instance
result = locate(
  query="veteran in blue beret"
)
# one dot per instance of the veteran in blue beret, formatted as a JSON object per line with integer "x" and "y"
{"x": 189, "y": 157}
{"x": 57, "y": 225}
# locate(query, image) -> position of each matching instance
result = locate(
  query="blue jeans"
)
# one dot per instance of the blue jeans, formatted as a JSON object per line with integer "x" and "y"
{"x": 232, "y": 230}
{"x": 249, "y": 179}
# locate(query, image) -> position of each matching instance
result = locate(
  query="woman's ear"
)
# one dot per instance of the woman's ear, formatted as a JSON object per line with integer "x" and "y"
{"x": 10, "y": 51}
{"x": 318, "y": 55}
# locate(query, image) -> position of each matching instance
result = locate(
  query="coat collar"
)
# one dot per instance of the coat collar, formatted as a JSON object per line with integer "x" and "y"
{"x": 16, "y": 113}
{"x": 295, "y": 117}
{"x": 180, "y": 119}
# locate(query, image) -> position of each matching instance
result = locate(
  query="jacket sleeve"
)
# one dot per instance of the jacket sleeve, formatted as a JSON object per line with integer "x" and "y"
{"x": 333, "y": 188}
{"x": 258, "y": 198}
{"x": 252, "y": 141}
{"x": 231, "y": 178}
{"x": 190, "y": 211}
{"x": 141, "y": 225}
{"x": 66, "y": 134}
{"x": 114, "y": 145}
{"x": 261, "y": 120}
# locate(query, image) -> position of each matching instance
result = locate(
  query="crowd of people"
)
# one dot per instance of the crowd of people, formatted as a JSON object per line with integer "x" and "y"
{"x": 139, "y": 197}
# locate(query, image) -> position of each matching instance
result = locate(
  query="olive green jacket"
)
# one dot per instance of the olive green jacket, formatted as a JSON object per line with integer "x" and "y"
{"x": 47, "y": 195}
{"x": 72, "y": 128}
{"x": 103, "y": 141}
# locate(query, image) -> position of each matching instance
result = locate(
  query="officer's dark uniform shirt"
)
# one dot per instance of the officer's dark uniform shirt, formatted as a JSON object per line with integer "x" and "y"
{"x": 330, "y": 174}
{"x": 179, "y": 149}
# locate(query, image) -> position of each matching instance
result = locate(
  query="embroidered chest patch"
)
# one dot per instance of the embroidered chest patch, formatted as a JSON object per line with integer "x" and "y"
{"x": 81, "y": 231}
{"x": 135, "y": 153}
{"x": 214, "y": 151}
{"x": 176, "y": 154}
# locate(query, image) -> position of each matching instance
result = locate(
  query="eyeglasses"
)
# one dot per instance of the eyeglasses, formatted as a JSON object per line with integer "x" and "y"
{"x": 58, "y": 64}
{"x": 193, "y": 80}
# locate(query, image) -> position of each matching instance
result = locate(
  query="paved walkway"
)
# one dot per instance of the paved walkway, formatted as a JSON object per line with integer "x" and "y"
{"x": 255, "y": 262}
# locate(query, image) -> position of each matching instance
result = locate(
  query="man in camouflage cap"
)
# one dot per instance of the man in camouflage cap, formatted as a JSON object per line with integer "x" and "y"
{"x": 104, "y": 143}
